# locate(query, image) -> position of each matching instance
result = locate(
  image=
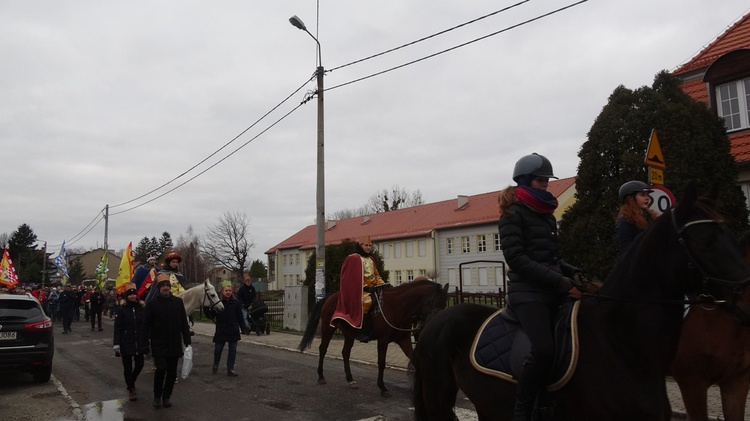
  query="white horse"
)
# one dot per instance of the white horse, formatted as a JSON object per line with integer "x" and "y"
{"x": 201, "y": 296}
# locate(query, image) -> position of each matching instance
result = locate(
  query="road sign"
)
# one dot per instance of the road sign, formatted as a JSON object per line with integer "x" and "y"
{"x": 661, "y": 199}
{"x": 654, "y": 156}
{"x": 655, "y": 176}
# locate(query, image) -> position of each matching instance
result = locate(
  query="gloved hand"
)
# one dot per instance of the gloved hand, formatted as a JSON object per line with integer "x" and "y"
{"x": 565, "y": 285}
{"x": 117, "y": 350}
{"x": 580, "y": 281}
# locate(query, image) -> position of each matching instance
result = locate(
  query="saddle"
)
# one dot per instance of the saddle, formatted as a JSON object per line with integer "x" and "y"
{"x": 500, "y": 346}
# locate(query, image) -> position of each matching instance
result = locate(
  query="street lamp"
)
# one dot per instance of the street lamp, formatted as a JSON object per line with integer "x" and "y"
{"x": 320, "y": 247}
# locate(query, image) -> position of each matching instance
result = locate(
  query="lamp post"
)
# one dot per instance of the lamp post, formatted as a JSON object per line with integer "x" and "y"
{"x": 320, "y": 247}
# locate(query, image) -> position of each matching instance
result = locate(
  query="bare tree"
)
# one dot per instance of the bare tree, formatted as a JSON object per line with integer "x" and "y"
{"x": 397, "y": 198}
{"x": 194, "y": 265}
{"x": 226, "y": 243}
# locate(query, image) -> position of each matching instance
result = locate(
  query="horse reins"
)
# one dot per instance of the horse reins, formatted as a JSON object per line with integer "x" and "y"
{"x": 206, "y": 295}
{"x": 380, "y": 305}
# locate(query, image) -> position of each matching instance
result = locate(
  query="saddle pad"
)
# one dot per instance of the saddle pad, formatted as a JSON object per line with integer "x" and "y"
{"x": 492, "y": 348}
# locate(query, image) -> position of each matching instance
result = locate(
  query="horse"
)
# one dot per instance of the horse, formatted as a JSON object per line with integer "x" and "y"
{"x": 714, "y": 348}
{"x": 202, "y": 296}
{"x": 628, "y": 331}
{"x": 401, "y": 308}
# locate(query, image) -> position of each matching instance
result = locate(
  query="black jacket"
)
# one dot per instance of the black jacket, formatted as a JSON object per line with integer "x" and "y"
{"x": 229, "y": 322}
{"x": 97, "y": 301}
{"x": 530, "y": 245}
{"x": 68, "y": 299}
{"x": 129, "y": 328}
{"x": 164, "y": 324}
{"x": 246, "y": 294}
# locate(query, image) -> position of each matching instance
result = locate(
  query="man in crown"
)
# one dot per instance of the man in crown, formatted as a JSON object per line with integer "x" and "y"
{"x": 358, "y": 274}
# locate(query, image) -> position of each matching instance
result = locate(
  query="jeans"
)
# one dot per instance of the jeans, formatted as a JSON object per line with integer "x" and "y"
{"x": 131, "y": 372}
{"x": 231, "y": 355}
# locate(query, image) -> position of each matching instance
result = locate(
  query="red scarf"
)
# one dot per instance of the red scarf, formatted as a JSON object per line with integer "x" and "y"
{"x": 539, "y": 200}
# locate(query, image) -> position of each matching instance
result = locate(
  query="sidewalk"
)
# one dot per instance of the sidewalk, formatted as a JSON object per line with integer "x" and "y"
{"x": 367, "y": 353}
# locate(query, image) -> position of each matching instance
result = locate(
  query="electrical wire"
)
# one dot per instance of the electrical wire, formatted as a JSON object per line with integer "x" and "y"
{"x": 506, "y": 29}
{"x": 429, "y": 36}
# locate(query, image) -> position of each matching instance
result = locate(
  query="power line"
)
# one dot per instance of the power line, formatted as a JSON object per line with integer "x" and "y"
{"x": 459, "y": 45}
{"x": 430, "y": 36}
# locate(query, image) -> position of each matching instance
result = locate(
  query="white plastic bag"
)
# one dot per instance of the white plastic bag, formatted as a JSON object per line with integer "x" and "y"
{"x": 187, "y": 361}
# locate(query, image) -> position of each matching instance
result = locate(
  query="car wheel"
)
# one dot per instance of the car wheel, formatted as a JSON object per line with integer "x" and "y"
{"x": 42, "y": 374}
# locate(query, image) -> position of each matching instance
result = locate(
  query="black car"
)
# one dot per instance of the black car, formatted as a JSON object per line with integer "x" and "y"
{"x": 26, "y": 339}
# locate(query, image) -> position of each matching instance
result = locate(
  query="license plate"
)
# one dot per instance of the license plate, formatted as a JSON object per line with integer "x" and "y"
{"x": 7, "y": 336}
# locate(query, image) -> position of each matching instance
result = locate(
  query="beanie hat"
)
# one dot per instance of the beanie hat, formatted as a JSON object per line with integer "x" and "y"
{"x": 162, "y": 278}
{"x": 130, "y": 289}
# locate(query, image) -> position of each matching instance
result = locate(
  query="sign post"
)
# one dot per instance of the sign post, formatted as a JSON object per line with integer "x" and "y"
{"x": 661, "y": 198}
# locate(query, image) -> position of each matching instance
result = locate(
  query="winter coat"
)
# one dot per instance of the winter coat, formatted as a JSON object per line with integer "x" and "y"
{"x": 67, "y": 300}
{"x": 164, "y": 324}
{"x": 97, "y": 301}
{"x": 530, "y": 245}
{"x": 129, "y": 328}
{"x": 229, "y": 322}
{"x": 246, "y": 294}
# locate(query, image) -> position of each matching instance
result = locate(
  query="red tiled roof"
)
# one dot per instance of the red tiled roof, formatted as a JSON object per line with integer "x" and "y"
{"x": 413, "y": 221}
{"x": 696, "y": 89}
{"x": 740, "y": 143}
{"x": 734, "y": 38}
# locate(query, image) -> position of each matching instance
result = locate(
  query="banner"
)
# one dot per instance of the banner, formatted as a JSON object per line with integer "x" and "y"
{"x": 101, "y": 272}
{"x": 126, "y": 269}
{"x": 8, "y": 276}
{"x": 61, "y": 261}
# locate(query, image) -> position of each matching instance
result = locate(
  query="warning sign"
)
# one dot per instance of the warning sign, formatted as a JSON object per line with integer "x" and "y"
{"x": 654, "y": 156}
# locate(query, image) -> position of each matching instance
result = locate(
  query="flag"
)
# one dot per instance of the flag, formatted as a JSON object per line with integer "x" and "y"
{"x": 61, "y": 261}
{"x": 126, "y": 269}
{"x": 101, "y": 271}
{"x": 8, "y": 275}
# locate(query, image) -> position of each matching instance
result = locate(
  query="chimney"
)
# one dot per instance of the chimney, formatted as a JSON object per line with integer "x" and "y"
{"x": 330, "y": 225}
{"x": 366, "y": 219}
{"x": 462, "y": 201}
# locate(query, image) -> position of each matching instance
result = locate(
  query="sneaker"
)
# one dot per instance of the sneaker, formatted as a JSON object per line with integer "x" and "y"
{"x": 232, "y": 373}
{"x": 165, "y": 402}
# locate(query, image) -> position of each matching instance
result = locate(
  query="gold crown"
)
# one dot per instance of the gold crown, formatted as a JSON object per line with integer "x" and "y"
{"x": 365, "y": 239}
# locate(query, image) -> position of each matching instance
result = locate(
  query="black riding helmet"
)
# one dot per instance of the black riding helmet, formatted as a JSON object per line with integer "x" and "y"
{"x": 535, "y": 165}
{"x": 633, "y": 187}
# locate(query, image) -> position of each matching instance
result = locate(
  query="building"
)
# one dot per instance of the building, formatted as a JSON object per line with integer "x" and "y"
{"x": 436, "y": 239}
{"x": 719, "y": 76}
{"x": 91, "y": 259}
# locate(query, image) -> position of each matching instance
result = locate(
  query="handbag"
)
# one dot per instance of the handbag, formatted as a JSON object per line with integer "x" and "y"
{"x": 187, "y": 361}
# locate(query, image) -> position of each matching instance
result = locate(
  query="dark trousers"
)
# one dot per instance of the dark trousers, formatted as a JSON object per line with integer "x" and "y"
{"x": 96, "y": 314}
{"x": 67, "y": 317}
{"x": 231, "y": 354}
{"x": 166, "y": 374}
{"x": 130, "y": 370}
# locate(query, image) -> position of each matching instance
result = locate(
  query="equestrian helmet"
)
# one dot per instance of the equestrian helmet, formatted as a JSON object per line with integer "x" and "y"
{"x": 534, "y": 164}
{"x": 633, "y": 187}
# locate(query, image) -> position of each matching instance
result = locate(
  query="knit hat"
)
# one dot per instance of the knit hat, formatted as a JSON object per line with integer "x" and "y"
{"x": 162, "y": 278}
{"x": 130, "y": 289}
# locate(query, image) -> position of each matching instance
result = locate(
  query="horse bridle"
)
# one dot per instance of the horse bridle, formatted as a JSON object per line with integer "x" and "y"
{"x": 206, "y": 295}
{"x": 705, "y": 298}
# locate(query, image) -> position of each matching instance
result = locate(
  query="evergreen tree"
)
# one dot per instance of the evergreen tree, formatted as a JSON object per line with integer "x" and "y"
{"x": 76, "y": 272}
{"x": 27, "y": 260}
{"x": 165, "y": 243}
{"x": 695, "y": 147}
{"x": 142, "y": 250}
{"x": 258, "y": 269}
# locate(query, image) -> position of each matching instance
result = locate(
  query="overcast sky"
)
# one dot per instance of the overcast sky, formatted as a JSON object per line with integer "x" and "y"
{"x": 102, "y": 102}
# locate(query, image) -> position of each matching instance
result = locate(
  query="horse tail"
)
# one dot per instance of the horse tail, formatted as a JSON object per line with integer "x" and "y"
{"x": 312, "y": 327}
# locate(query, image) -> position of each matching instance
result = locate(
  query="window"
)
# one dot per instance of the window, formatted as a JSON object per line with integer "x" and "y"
{"x": 398, "y": 277}
{"x": 465, "y": 245}
{"x": 481, "y": 243}
{"x": 285, "y": 256}
{"x": 397, "y": 251}
{"x": 733, "y": 104}
{"x": 482, "y": 272}
{"x": 449, "y": 245}
{"x": 422, "y": 245}
{"x": 496, "y": 240}
{"x": 409, "y": 275}
{"x": 296, "y": 259}
{"x": 410, "y": 249}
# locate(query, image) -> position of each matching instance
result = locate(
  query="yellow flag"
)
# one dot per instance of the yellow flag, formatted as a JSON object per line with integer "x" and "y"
{"x": 125, "y": 274}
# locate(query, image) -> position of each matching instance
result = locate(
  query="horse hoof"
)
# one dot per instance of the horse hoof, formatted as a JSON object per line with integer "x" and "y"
{"x": 385, "y": 394}
{"x": 353, "y": 385}
{"x": 321, "y": 381}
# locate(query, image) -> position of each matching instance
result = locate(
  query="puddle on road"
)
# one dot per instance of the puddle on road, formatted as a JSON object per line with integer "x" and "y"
{"x": 104, "y": 411}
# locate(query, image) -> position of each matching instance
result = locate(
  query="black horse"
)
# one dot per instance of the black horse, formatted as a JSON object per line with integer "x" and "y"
{"x": 402, "y": 308}
{"x": 628, "y": 333}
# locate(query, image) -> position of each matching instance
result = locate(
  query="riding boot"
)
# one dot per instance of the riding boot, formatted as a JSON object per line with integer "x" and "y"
{"x": 365, "y": 333}
{"x": 527, "y": 389}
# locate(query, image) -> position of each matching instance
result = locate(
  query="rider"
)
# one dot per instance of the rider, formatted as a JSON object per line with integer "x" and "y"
{"x": 539, "y": 279}
{"x": 358, "y": 272}
{"x": 634, "y": 215}
{"x": 176, "y": 279}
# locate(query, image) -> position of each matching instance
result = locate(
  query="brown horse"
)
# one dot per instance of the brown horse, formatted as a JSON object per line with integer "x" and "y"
{"x": 628, "y": 333}
{"x": 402, "y": 308}
{"x": 715, "y": 349}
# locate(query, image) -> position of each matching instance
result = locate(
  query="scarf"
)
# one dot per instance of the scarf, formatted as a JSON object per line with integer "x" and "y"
{"x": 540, "y": 201}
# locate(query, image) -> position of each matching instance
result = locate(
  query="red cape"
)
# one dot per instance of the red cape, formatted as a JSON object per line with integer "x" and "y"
{"x": 349, "y": 306}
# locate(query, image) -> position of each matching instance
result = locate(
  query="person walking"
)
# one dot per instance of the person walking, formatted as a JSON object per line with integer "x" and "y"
{"x": 229, "y": 324}
{"x": 634, "y": 216}
{"x": 246, "y": 295}
{"x": 68, "y": 304}
{"x": 540, "y": 281}
{"x": 96, "y": 301}
{"x": 166, "y": 327}
{"x": 130, "y": 342}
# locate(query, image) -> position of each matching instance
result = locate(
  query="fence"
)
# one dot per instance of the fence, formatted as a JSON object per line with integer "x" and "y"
{"x": 275, "y": 302}
{"x": 496, "y": 299}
